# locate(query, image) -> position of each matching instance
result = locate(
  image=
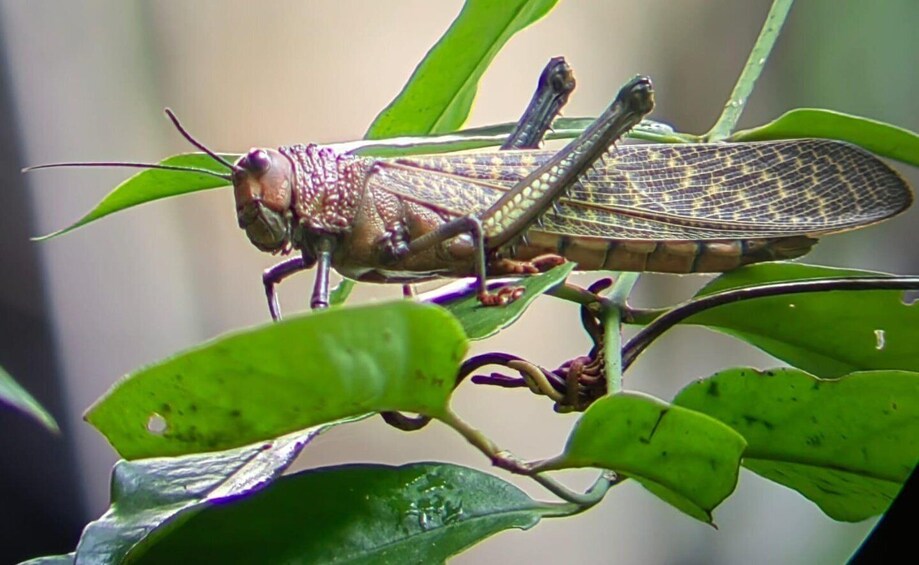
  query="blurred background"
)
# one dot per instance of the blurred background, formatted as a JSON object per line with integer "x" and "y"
{"x": 87, "y": 80}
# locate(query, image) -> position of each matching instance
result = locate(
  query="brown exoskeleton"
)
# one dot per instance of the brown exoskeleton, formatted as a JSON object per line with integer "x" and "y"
{"x": 666, "y": 208}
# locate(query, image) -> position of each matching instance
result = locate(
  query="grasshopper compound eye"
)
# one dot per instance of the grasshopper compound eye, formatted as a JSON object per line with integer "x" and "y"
{"x": 257, "y": 161}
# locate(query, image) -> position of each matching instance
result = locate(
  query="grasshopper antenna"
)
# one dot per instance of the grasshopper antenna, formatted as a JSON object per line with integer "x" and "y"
{"x": 197, "y": 143}
{"x": 132, "y": 165}
{"x": 135, "y": 165}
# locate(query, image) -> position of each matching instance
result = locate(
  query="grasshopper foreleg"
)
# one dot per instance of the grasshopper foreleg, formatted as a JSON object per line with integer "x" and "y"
{"x": 274, "y": 275}
{"x": 320, "y": 297}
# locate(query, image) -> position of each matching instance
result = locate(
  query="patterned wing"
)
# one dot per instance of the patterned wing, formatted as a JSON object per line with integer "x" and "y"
{"x": 677, "y": 192}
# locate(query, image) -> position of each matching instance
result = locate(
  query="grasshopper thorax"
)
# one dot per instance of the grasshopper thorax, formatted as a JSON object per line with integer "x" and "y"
{"x": 262, "y": 187}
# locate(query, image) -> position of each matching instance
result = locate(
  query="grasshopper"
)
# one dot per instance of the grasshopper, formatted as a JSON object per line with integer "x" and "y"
{"x": 667, "y": 208}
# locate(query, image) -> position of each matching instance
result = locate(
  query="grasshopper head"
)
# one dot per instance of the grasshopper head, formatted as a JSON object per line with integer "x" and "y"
{"x": 262, "y": 187}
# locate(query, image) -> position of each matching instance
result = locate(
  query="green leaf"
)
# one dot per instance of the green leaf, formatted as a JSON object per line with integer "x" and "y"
{"x": 439, "y": 95}
{"x": 418, "y": 513}
{"x": 152, "y": 184}
{"x": 847, "y": 444}
{"x": 825, "y": 333}
{"x": 340, "y": 293}
{"x": 688, "y": 459}
{"x": 493, "y": 136}
{"x": 14, "y": 395}
{"x": 880, "y": 138}
{"x": 152, "y": 496}
{"x": 290, "y": 375}
{"x": 480, "y": 321}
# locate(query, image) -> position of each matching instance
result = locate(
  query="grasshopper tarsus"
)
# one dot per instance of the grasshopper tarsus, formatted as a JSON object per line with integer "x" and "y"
{"x": 501, "y": 297}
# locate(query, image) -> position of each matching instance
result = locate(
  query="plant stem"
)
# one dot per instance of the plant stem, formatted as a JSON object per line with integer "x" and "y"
{"x": 612, "y": 335}
{"x": 506, "y": 461}
{"x": 751, "y": 71}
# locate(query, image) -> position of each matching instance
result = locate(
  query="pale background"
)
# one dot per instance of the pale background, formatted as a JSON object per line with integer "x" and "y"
{"x": 90, "y": 80}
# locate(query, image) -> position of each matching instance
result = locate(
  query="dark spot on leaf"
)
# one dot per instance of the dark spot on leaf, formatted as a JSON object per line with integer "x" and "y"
{"x": 893, "y": 405}
{"x": 663, "y": 454}
{"x": 750, "y": 420}
{"x": 235, "y": 413}
{"x": 794, "y": 399}
{"x": 193, "y": 407}
{"x": 827, "y": 490}
{"x": 179, "y": 376}
{"x": 815, "y": 440}
{"x": 165, "y": 408}
{"x": 813, "y": 419}
{"x": 816, "y": 385}
{"x": 713, "y": 389}
{"x": 769, "y": 373}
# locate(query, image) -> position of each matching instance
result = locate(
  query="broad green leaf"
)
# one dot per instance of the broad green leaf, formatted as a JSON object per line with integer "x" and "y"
{"x": 480, "y": 321}
{"x": 880, "y": 138}
{"x": 12, "y": 394}
{"x": 419, "y": 513}
{"x": 825, "y": 333}
{"x": 151, "y": 184}
{"x": 686, "y": 458}
{"x": 274, "y": 379}
{"x": 152, "y": 496}
{"x": 847, "y": 444}
{"x": 439, "y": 95}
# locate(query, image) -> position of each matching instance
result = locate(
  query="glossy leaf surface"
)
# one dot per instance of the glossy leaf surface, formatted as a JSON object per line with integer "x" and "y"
{"x": 825, "y": 333}
{"x": 418, "y": 513}
{"x": 274, "y": 379}
{"x": 688, "y": 459}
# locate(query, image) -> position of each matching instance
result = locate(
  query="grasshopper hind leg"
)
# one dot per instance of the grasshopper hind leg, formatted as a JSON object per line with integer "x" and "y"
{"x": 555, "y": 84}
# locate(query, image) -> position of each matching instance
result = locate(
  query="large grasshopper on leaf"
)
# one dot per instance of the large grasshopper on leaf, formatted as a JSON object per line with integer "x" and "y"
{"x": 666, "y": 208}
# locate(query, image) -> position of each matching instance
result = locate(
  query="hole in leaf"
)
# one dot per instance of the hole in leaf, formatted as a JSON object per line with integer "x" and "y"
{"x": 156, "y": 424}
{"x": 910, "y": 297}
{"x": 879, "y": 339}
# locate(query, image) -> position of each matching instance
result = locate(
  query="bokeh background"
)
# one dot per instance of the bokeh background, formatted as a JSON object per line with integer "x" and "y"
{"x": 87, "y": 80}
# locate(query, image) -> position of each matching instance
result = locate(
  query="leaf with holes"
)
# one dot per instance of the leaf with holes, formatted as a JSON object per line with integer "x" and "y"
{"x": 274, "y": 379}
{"x": 847, "y": 444}
{"x": 825, "y": 333}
